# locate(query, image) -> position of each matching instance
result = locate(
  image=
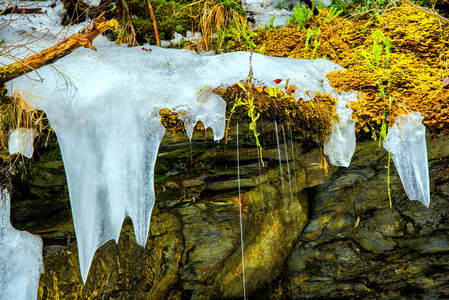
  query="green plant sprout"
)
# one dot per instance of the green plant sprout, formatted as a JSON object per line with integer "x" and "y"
{"x": 312, "y": 38}
{"x": 383, "y": 134}
{"x": 340, "y": 5}
{"x": 252, "y": 126}
{"x": 333, "y": 12}
{"x": 252, "y": 113}
{"x": 262, "y": 49}
{"x": 302, "y": 14}
{"x": 269, "y": 25}
{"x": 382, "y": 44}
{"x": 282, "y": 5}
{"x": 241, "y": 31}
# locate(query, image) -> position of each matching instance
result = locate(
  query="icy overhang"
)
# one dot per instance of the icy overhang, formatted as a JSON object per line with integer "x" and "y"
{"x": 104, "y": 109}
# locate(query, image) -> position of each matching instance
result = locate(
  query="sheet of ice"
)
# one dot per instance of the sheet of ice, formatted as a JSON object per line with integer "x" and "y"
{"x": 105, "y": 114}
{"x": 177, "y": 38}
{"x": 340, "y": 145}
{"x": 20, "y": 258}
{"x": 21, "y": 141}
{"x": 406, "y": 142}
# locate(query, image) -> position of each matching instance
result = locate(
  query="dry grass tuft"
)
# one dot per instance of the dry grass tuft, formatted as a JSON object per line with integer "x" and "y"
{"x": 24, "y": 116}
{"x": 215, "y": 15}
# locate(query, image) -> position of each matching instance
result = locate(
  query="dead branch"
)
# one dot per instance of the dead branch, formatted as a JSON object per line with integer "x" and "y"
{"x": 22, "y": 10}
{"x": 82, "y": 38}
{"x": 156, "y": 33}
{"x": 132, "y": 39}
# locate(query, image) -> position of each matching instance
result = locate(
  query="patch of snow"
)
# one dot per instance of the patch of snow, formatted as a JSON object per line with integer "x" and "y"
{"x": 196, "y": 36}
{"x": 165, "y": 43}
{"x": 177, "y": 38}
{"x": 56, "y": 12}
{"x": 263, "y": 14}
{"x": 406, "y": 142}
{"x": 20, "y": 258}
{"x": 92, "y": 2}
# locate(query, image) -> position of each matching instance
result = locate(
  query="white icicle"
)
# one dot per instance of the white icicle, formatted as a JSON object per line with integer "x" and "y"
{"x": 340, "y": 145}
{"x": 406, "y": 142}
{"x": 20, "y": 258}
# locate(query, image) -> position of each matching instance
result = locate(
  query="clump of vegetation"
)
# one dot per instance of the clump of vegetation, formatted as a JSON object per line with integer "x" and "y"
{"x": 215, "y": 17}
{"x": 396, "y": 59}
{"x": 181, "y": 16}
{"x": 16, "y": 113}
{"x": 311, "y": 119}
{"x": 406, "y": 75}
{"x": 136, "y": 23}
{"x": 237, "y": 34}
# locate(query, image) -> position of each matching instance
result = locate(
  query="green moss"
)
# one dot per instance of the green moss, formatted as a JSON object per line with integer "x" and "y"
{"x": 230, "y": 4}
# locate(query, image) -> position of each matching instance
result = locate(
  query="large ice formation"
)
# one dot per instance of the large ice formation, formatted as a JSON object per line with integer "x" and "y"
{"x": 20, "y": 258}
{"x": 406, "y": 142}
{"x": 104, "y": 111}
{"x": 21, "y": 141}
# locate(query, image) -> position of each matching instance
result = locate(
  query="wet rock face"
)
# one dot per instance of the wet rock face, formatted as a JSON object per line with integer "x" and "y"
{"x": 310, "y": 230}
{"x": 355, "y": 245}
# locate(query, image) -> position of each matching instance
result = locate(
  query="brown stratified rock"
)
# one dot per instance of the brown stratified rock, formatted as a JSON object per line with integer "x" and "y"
{"x": 356, "y": 246}
{"x": 330, "y": 234}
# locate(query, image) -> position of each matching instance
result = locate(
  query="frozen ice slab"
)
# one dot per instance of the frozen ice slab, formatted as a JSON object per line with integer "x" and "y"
{"x": 21, "y": 141}
{"x": 104, "y": 111}
{"x": 340, "y": 145}
{"x": 406, "y": 142}
{"x": 20, "y": 258}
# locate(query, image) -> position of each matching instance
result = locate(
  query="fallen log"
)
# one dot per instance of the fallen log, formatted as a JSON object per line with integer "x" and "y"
{"x": 82, "y": 38}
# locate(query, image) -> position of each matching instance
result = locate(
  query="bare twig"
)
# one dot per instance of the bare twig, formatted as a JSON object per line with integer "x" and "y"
{"x": 7, "y": 6}
{"x": 150, "y": 7}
